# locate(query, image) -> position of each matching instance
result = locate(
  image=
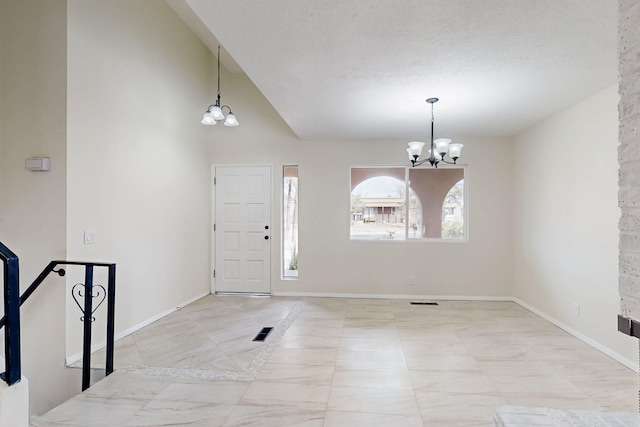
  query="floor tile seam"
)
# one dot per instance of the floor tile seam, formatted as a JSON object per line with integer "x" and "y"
{"x": 372, "y": 388}
{"x": 417, "y": 412}
{"x": 302, "y": 405}
{"x": 346, "y": 349}
{"x": 88, "y": 395}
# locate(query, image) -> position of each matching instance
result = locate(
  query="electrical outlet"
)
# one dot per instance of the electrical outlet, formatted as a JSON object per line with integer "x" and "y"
{"x": 576, "y": 309}
{"x": 411, "y": 281}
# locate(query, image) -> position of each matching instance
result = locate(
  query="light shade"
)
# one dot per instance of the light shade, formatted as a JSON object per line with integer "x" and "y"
{"x": 454, "y": 150}
{"x": 415, "y": 149}
{"x": 231, "y": 120}
{"x": 208, "y": 119}
{"x": 442, "y": 145}
{"x": 411, "y": 158}
{"x": 216, "y": 112}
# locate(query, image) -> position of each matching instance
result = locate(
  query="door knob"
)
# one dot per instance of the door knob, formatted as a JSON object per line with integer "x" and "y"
{"x": 266, "y": 227}
{"x": 266, "y": 237}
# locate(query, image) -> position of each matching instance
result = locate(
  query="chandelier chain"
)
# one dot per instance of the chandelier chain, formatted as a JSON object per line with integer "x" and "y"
{"x": 218, "y": 74}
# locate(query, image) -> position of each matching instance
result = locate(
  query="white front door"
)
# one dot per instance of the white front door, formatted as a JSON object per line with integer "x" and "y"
{"x": 242, "y": 229}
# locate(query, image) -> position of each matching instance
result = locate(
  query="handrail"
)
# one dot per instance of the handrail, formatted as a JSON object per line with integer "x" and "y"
{"x": 12, "y": 373}
{"x": 12, "y": 302}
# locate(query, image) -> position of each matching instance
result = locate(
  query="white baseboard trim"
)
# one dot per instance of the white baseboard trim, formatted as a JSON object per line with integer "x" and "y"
{"x": 392, "y": 296}
{"x": 70, "y": 360}
{"x": 633, "y": 365}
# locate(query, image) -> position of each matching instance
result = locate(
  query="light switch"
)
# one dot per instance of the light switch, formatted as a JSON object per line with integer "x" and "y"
{"x": 89, "y": 237}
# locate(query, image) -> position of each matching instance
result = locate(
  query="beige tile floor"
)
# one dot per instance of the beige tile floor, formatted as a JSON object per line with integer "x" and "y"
{"x": 345, "y": 362}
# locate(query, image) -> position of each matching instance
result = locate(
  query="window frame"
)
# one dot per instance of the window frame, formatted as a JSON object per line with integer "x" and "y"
{"x": 465, "y": 209}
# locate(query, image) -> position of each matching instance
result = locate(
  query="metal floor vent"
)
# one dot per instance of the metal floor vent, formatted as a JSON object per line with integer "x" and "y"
{"x": 423, "y": 303}
{"x": 263, "y": 334}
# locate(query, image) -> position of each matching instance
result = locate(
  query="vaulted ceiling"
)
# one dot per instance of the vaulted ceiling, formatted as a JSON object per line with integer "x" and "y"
{"x": 362, "y": 69}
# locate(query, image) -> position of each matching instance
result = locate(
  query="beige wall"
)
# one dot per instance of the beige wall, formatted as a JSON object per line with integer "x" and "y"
{"x": 138, "y": 171}
{"x": 329, "y": 263}
{"x": 33, "y": 205}
{"x": 566, "y": 217}
{"x": 129, "y": 161}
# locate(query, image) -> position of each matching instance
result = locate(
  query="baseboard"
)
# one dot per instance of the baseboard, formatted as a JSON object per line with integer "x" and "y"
{"x": 392, "y": 296}
{"x": 633, "y": 365}
{"x": 70, "y": 360}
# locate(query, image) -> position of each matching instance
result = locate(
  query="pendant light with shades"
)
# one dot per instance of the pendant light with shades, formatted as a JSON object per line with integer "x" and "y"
{"x": 214, "y": 113}
{"x": 438, "y": 149}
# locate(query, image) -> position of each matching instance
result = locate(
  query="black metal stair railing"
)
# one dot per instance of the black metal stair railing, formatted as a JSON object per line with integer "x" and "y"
{"x": 13, "y": 370}
{"x": 12, "y": 303}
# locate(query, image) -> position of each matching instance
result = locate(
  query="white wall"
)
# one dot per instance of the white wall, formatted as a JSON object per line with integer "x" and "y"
{"x": 566, "y": 220}
{"x": 32, "y": 205}
{"x": 137, "y": 157}
{"x": 328, "y": 261}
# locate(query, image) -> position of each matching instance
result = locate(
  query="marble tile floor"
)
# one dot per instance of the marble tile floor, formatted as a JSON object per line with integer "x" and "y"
{"x": 345, "y": 362}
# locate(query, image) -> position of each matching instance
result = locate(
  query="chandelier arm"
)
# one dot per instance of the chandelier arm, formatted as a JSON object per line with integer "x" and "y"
{"x": 449, "y": 163}
{"x": 421, "y": 162}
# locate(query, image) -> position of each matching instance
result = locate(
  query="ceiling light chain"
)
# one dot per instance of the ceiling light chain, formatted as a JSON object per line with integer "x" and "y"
{"x": 438, "y": 148}
{"x": 214, "y": 113}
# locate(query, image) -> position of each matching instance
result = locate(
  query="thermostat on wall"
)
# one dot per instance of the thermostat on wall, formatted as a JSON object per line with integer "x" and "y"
{"x": 37, "y": 164}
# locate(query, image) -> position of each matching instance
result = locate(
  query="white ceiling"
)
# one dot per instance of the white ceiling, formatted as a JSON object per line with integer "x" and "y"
{"x": 362, "y": 69}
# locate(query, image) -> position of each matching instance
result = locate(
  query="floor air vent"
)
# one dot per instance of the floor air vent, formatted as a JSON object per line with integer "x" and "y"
{"x": 263, "y": 334}
{"x": 423, "y": 303}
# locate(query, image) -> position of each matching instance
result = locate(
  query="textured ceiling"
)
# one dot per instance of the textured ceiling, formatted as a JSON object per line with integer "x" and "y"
{"x": 362, "y": 69}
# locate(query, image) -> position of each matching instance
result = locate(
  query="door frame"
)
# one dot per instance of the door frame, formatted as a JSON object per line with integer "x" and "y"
{"x": 213, "y": 217}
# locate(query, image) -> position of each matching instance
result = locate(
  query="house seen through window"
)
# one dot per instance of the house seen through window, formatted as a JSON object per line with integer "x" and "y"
{"x": 397, "y": 203}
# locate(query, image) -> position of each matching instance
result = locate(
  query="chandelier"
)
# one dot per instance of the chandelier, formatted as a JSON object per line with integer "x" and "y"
{"x": 214, "y": 113}
{"x": 438, "y": 149}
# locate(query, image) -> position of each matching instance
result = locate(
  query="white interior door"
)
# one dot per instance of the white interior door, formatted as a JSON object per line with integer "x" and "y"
{"x": 242, "y": 230}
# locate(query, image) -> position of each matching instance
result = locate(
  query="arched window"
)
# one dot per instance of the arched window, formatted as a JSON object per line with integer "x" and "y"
{"x": 378, "y": 206}
{"x": 432, "y": 186}
{"x": 453, "y": 212}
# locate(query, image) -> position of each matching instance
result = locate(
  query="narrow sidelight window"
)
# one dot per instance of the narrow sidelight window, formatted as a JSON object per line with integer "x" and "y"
{"x": 290, "y": 221}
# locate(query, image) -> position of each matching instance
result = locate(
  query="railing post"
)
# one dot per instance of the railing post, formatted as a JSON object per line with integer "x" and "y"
{"x": 13, "y": 371}
{"x": 87, "y": 320}
{"x": 13, "y": 301}
{"x": 111, "y": 315}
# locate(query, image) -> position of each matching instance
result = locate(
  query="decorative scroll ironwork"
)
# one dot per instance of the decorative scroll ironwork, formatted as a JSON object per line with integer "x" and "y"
{"x": 97, "y": 291}
{"x": 13, "y": 301}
